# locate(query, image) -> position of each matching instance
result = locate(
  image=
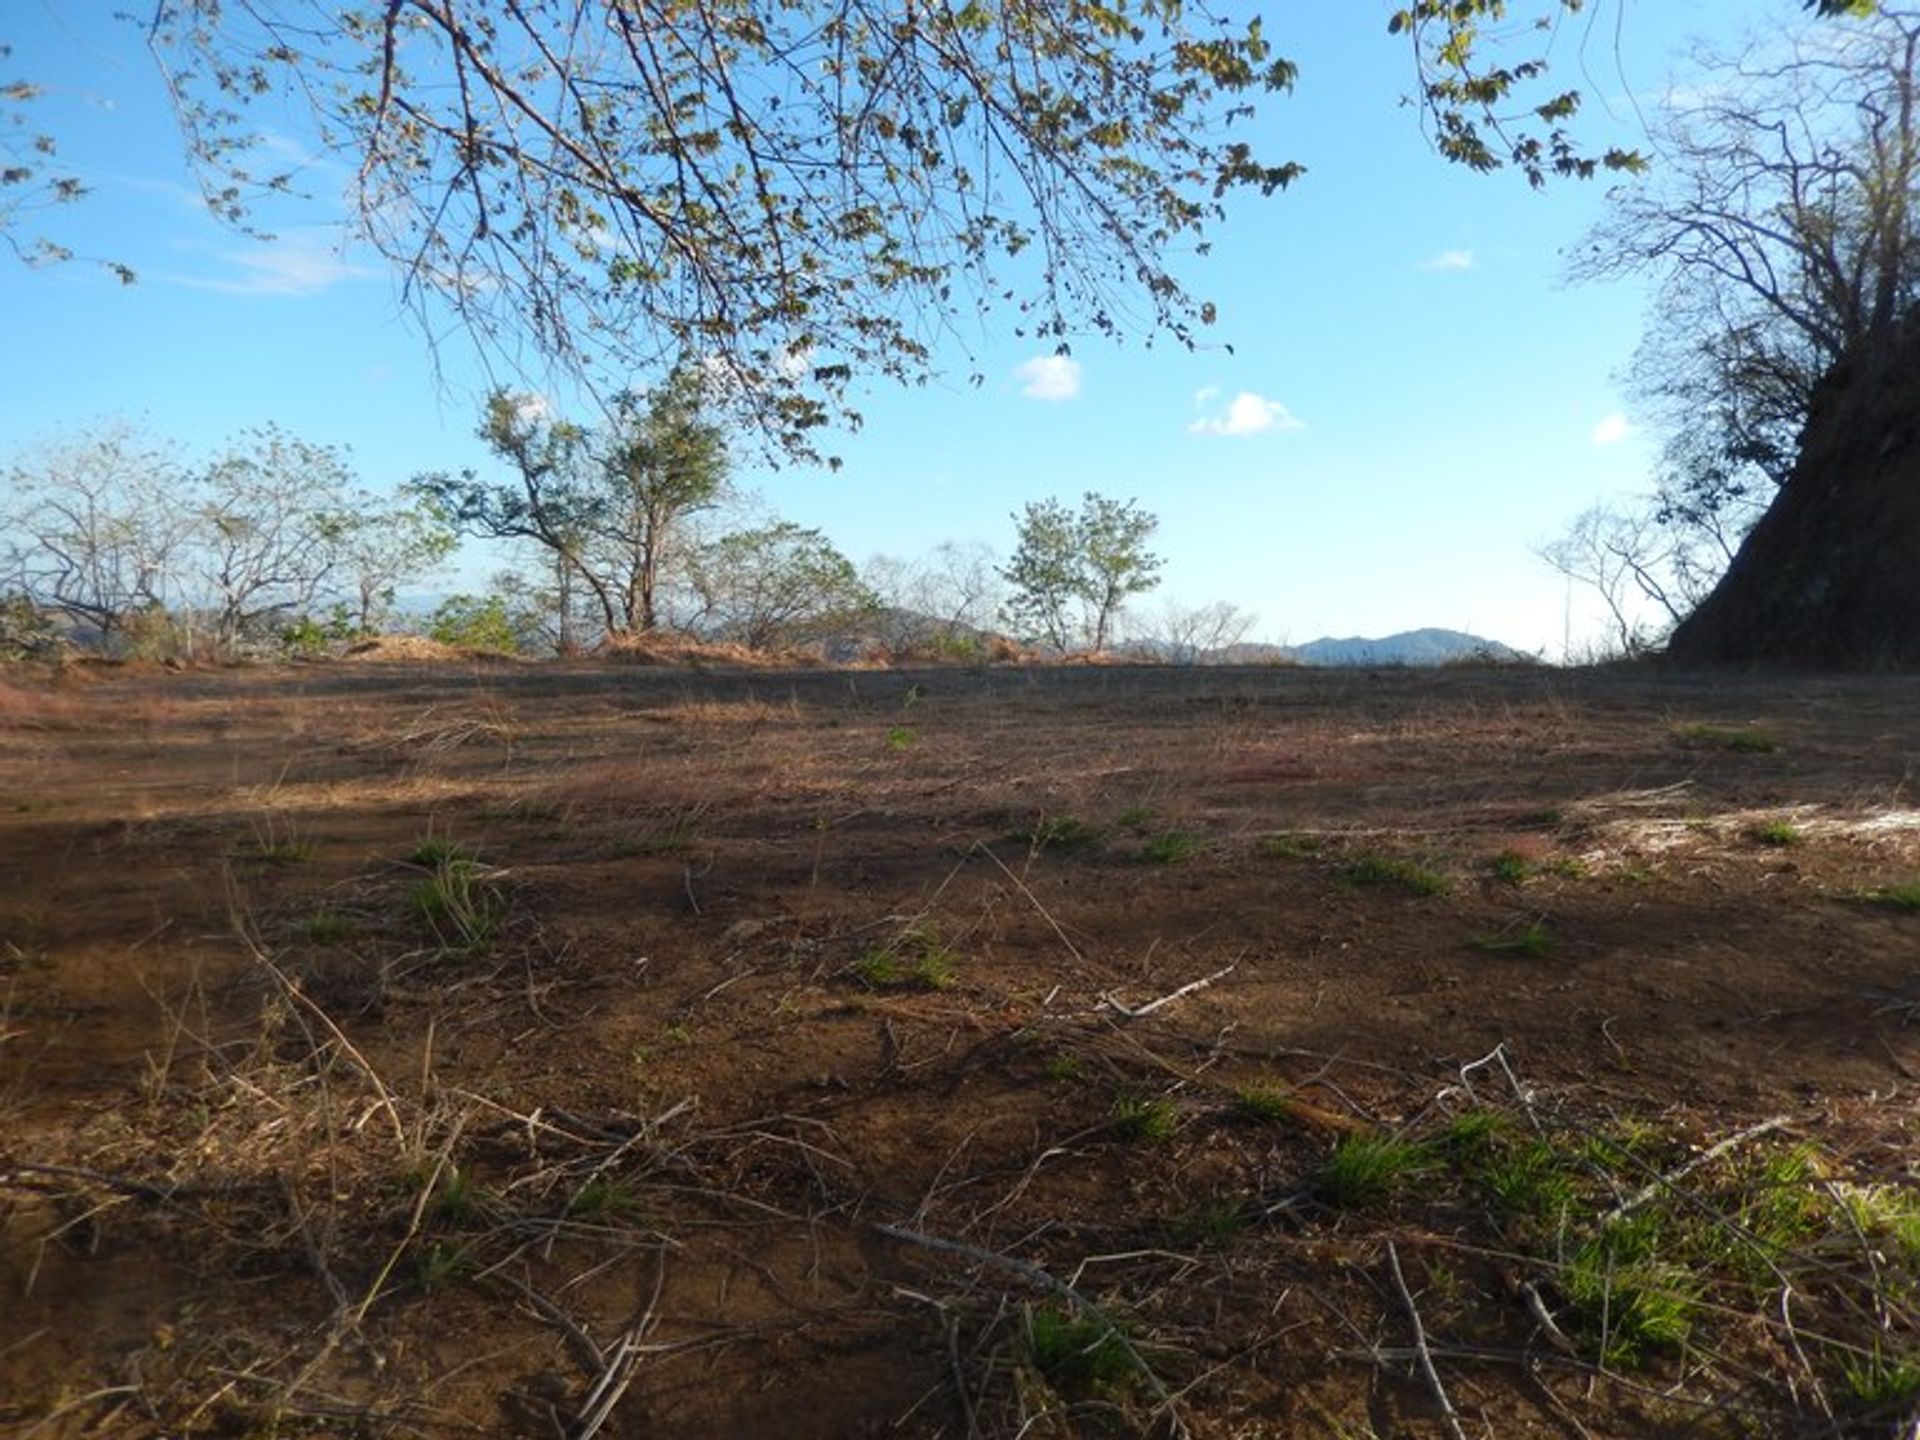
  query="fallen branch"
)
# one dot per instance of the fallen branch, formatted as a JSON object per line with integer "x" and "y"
{"x": 612, "y": 1385}
{"x": 1675, "y": 1176}
{"x": 138, "y": 1189}
{"x": 1134, "y": 1013}
{"x": 1449, "y": 1416}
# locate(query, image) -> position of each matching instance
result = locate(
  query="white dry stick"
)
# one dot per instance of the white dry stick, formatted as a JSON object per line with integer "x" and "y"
{"x": 1134, "y": 1013}
{"x": 611, "y": 1387}
{"x": 1705, "y": 1157}
{"x": 1448, "y": 1415}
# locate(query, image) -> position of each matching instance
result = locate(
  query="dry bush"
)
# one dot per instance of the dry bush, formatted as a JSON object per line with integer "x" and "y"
{"x": 684, "y": 650}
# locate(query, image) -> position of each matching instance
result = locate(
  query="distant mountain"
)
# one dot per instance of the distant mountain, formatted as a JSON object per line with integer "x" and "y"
{"x": 1410, "y": 647}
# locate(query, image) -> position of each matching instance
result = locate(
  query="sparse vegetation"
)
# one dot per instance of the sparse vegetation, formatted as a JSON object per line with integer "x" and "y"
{"x": 1532, "y": 939}
{"x": 1290, "y": 847}
{"x": 1900, "y": 897}
{"x": 1171, "y": 848}
{"x": 1269, "y": 1104}
{"x": 811, "y": 1042}
{"x": 1510, "y": 867}
{"x": 1063, "y": 1066}
{"x": 1076, "y": 1353}
{"x": 327, "y": 927}
{"x": 1777, "y": 833}
{"x": 458, "y": 898}
{"x": 1387, "y": 870}
{"x": 1142, "y": 1119}
{"x": 1059, "y": 832}
{"x": 915, "y": 959}
{"x": 1366, "y": 1168}
{"x": 1735, "y": 739}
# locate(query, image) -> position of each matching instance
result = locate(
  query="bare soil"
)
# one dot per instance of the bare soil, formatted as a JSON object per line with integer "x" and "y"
{"x": 575, "y": 1049}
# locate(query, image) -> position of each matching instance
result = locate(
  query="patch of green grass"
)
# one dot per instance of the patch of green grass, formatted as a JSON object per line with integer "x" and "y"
{"x": 1387, "y": 870}
{"x": 1171, "y": 848}
{"x": 1532, "y": 1181}
{"x": 1625, "y": 1297}
{"x": 1776, "y": 832}
{"x": 1058, "y": 832}
{"x": 1781, "y": 1207}
{"x": 1900, "y": 897}
{"x": 1135, "y": 817}
{"x": 327, "y": 927}
{"x": 1366, "y": 1168}
{"x": 1567, "y": 867}
{"x": 1510, "y": 867}
{"x": 603, "y": 1197}
{"x": 1290, "y": 847}
{"x": 441, "y": 1263}
{"x": 1064, "y": 1066}
{"x": 915, "y": 960}
{"x": 1736, "y": 739}
{"x": 460, "y": 903}
{"x": 459, "y": 1197}
{"x": 1534, "y": 940}
{"x": 1874, "y": 1382}
{"x": 435, "y": 851}
{"x": 1269, "y": 1104}
{"x": 1076, "y": 1352}
{"x": 1471, "y": 1134}
{"x": 1142, "y": 1119}
{"x": 1886, "y": 1213}
{"x": 902, "y": 737}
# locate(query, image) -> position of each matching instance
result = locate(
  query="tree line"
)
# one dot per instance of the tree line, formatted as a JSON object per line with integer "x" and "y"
{"x": 618, "y": 532}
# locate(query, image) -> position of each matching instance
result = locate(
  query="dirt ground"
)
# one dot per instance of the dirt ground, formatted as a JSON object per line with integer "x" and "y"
{"x": 587, "y": 1049}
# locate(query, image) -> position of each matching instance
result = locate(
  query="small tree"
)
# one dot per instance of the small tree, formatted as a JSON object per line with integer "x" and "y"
{"x": 1072, "y": 572}
{"x": 97, "y": 531}
{"x": 939, "y": 602}
{"x": 608, "y": 508}
{"x": 774, "y": 585}
{"x": 1189, "y": 634}
{"x": 383, "y": 547}
{"x": 274, "y": 513}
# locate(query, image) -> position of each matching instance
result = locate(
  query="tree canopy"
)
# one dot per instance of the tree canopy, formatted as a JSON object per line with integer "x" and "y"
{"x": 796, "y": 191}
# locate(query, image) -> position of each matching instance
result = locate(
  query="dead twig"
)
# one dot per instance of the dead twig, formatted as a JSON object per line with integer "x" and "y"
{"x": 1706, "y": 1157}
{"x": 1135, "y": 1012}
{"x": 612, "y": 1385}
{"x": 1448, "y": 1415}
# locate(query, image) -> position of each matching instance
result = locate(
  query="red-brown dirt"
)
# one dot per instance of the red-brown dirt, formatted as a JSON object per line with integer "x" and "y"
{"x": 410, "y": 1048}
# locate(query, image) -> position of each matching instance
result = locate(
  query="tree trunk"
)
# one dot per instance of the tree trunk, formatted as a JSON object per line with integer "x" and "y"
{"x": 1831, "y": 574}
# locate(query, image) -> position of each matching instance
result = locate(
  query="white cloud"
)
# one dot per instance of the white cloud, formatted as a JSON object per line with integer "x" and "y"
{"x": 1245, "y": 414}
{"x": 1049, "y": 377}
{"x": 291, "y": 264}
{"x": 1205, "y": 396}
{"x": 1449, "y": 260}
{"x": 1612, "y": 430}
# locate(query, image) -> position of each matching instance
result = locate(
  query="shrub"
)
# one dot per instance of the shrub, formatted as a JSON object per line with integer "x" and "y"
{"x": 473, "y": 622}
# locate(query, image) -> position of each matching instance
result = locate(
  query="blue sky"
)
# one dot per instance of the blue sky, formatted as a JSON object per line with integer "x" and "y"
{"x": 1414, "y": 399}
